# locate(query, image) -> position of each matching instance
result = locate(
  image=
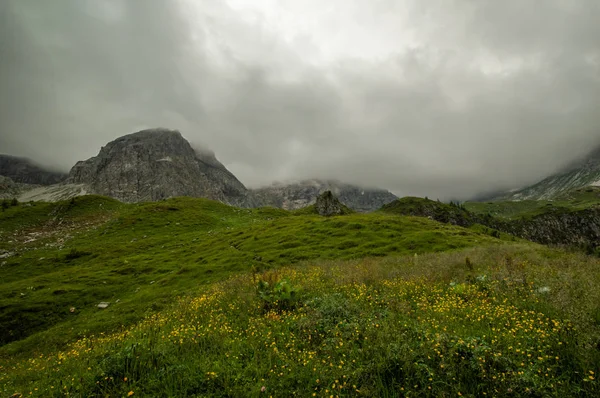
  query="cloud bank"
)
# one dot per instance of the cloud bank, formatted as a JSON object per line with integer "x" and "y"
{"x": 440, "y": 98}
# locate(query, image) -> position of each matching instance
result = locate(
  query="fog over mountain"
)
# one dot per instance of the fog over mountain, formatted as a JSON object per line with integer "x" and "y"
{"x": 447, "y": 99}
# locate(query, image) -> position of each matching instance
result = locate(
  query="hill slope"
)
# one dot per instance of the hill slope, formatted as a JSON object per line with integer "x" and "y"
{"x": 573, "y": 226}
{"x": 576, "y": 199}
{"x": 581, "y": 174}
{"x": 203, "y": 299}
{"x": 94, "y": 249}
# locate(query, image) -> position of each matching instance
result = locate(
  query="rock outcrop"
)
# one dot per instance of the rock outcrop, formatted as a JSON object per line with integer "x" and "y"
{"x": 575, "y": 228}
{"x": 302, "y": 194}
{"x": 156, "y": 164}
{"x": 328, "y": 205}
{"x": 24, "y": 171}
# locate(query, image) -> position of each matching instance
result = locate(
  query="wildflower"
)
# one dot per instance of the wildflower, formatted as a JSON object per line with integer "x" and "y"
{"x": 130, "y": 393}
{"x": 263, "y": 389}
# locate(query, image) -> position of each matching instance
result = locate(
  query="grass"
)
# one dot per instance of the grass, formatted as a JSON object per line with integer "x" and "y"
{"x": 369, "y": 305}
{"x": 137, "y": 257}
{"x": 577, "y": 199}
{"x": 519, "y": 320}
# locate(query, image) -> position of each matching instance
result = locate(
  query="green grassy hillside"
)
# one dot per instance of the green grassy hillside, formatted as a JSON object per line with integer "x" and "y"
{"x": 577, "y": 199}
{"x": 210, "y": 300}
{"x": 573, "y": 224}
{"x": 97, "y": 250}
{"x": 443, "y": 212}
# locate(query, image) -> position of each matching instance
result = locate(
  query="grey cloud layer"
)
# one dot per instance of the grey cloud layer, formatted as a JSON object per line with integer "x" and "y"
{"x": 494, "y": 95}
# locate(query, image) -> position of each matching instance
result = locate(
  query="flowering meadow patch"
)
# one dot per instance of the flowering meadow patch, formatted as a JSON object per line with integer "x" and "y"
{"x": 360, "y": 329}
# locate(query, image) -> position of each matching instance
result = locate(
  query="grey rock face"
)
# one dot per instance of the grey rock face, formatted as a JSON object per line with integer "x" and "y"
{"x": 328, "y": 205}
{"x": 24, "y": 171}
{"x": 10, "y": 189}
{"x": 571, "y": 228}
{"x": 298, "y": 195}
{"x": 156, "y": 164}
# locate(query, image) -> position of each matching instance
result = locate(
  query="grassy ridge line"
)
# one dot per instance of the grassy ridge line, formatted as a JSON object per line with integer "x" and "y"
{"x": 119, "y": 260}
{"x": 578, "y": 199}
{"x": 560, "y": 226}
{"x": 145, "y": 254}
{"x": 513, "y": 320}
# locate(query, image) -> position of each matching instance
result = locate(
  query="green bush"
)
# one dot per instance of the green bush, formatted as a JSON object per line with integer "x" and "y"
{"x": 277, "y": 294}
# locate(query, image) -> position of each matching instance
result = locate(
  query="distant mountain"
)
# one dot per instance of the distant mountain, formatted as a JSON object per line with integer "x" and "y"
{"x": 156, "y": 164}
{"x": 297, "y": 195}
{"x": 24, "y": 171}
{"x": 583, "y": 173}
{"x": 159, "y": 163}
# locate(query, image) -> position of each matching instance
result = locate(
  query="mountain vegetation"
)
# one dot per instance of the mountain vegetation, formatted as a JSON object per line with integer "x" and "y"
{"x": 573, "y": 224}
{"x": 192, "y": 297}
{"x": 182, "y": 282}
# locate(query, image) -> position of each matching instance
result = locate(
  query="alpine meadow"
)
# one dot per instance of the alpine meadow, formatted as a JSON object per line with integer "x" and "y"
{"x": 297, "y": 198}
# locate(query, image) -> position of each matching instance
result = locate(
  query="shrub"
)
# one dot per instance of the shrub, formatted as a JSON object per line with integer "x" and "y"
{"x": 276, "y": 294}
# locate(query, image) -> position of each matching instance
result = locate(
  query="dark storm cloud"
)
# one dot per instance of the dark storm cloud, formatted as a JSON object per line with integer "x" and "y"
{"x": 82, "y": 72}
{"x": 485, "y": 95}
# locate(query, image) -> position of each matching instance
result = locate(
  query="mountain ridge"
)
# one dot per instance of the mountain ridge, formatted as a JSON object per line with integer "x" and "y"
{"x": 580, "y": 173}
{"x": 156, "y": 164}
{"x": 299, "y": 194}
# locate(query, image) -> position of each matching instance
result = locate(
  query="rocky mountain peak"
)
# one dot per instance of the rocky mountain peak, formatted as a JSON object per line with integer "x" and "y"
{"x": 152, "y": 144}
{"x": 155, "y": 164}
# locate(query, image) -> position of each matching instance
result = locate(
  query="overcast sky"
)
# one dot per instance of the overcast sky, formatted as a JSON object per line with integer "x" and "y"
{"x": 445, "y": 98}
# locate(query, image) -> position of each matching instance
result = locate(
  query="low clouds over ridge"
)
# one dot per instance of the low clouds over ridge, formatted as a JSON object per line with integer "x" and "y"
{"x": 437, "y": 98}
